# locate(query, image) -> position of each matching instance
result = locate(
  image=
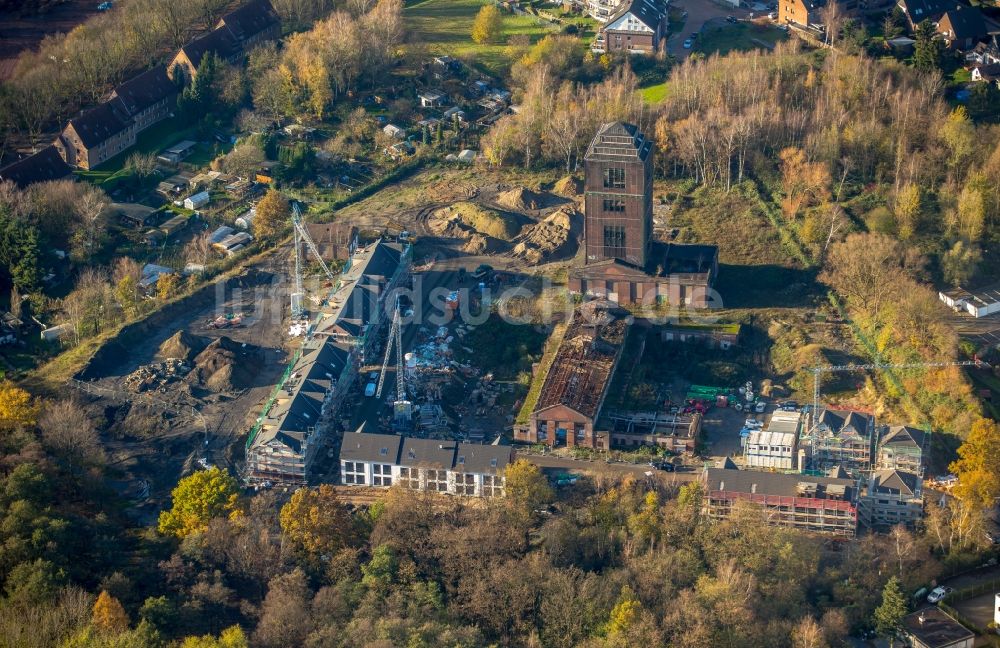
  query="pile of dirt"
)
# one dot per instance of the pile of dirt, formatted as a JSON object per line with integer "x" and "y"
{"x": 181, "y": 345}
{"x": 521, "y": 199}
{"x": 568, "y": 187}
{"x": 546, "y": 237}
{"x": 464, "y": 219}
{"x": 225, "y": 365}
{"x": 476, "y": 244}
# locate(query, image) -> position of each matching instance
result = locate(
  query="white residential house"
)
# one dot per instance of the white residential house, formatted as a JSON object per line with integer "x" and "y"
{"x": 431, "y": 99}
{"x": 382, "y": 460}
{"x": 891, "y": 497}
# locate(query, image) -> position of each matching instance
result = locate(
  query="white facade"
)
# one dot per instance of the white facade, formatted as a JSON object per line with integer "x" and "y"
{"x": 775, "y": 447}
{"x": 384, "y": 475}
{"x": 978, "y": 303}
{"x": 197, "y": 200}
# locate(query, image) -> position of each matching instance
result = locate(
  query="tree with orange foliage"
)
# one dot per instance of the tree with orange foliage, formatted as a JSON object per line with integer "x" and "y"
{"x": 109, "y": 616}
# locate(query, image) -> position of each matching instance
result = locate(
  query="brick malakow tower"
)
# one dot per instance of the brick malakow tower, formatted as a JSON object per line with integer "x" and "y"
{"x": 623, "y": 262}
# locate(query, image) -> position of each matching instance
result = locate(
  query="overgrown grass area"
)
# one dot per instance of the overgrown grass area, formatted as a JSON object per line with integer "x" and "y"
{"x": 654, "y": 94}
{"x": 153, "y": 140}
{"x": 724, "y": 37}
{"x": 445, "y": 26}
{"x": 506, "y": 349}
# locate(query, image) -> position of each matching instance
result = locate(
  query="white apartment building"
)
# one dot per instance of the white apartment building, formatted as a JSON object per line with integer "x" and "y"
{"x": 450, "y": 467}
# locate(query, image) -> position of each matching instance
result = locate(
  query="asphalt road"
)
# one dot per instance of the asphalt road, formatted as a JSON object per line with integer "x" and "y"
{"x": 699, "y": 12}
{"x": 553, "y": 463}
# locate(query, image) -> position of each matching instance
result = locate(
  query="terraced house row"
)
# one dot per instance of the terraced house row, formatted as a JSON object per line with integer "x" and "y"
{"x": 296, "y": 420}
{"x": 100, "y": 133}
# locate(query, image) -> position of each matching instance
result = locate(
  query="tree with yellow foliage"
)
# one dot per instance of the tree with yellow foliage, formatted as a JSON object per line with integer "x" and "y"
{"x": 526, "y": 486}
{"x": 17, "y": 408}
{"x": 272, "y": 217}
{"x": 316, "y": 523}
{"x": 486, "y": 28}
{"x": 199, "y": 498}
{"x": 978, "y": 464}
{"x": 232, "y": 637}
{"x": 108, "y": 615}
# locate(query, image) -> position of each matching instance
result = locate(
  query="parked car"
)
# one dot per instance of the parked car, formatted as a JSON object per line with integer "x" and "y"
{"x": 370, "y": 389}
{"x": 938, "y": 593}
{"x": 688, "y": 43}
{"x": 731, "y": 20}
{"x": 783, "y": 28}
{"x": 665, "y": 466}
{"x": 760, "y": 406}
{"x": 373, "y": 375}
{"x": 790, "y": 406}
{"x": 772, "y": 16}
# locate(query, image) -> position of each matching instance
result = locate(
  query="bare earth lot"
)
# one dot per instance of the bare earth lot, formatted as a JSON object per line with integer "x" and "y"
{"x": 155, "y": 434}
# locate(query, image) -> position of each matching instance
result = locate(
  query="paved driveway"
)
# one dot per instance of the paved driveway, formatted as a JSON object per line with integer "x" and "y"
{"x": 699, "y": 12}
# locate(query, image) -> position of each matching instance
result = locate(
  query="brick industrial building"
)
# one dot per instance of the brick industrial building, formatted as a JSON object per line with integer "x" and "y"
{"x": 622, "y": 261}
{"x": 574, "y": 388}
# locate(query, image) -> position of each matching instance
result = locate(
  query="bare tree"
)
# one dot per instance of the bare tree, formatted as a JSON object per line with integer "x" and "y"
{"x": 71, "y": 436}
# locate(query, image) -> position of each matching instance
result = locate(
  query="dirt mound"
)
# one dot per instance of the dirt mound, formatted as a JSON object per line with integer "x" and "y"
{"x": 476, "y": 244}
{"x": 568, "y": 187}
{"x": 546, "y": 237}
{"x": 521, "y": 199}
{"x": 225, "y": 365}
{"x": 463, "y": 219}
{"x": 182, "y": 345}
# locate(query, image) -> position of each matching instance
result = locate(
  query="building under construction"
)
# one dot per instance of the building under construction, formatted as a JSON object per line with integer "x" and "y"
{"x": 839, "y": 438}
{"x": 819, "y": 504}
{"x": 295, "y": 419}
{"x": 577, "y": 382}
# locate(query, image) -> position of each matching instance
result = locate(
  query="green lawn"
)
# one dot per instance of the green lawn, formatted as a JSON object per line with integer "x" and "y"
{"x": 724, "y": 38}
{"x": 446, "y": 27}
{"x": 152, "y": 140}
{"x": 654, "y": 94}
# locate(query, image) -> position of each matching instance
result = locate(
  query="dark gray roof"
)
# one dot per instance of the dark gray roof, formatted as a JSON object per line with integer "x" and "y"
{"x": 966, "y": 22}
{"x": 98, "y": 124}
{"x": 483, "y": 459}
{"x": 362, "y": 446}
{"x": 920, "y": 10}
{"x": 250, "y": 19}
{"x": 903, "y": 436}
{"x": 689, "y": 258}
{"x": 142, "y": 91}
{"x": 42, "y": 166}
{"x": 218, "y": 41}
{"x": 619, "y": 141}
{"x": 934, "y": 628}
{"x": 428, "y": 453}
{"x": 895, "y": 482}
{"x": 788, "y": 485}
{"x": 837, "y": 420}
{"x": 650, "y": 12}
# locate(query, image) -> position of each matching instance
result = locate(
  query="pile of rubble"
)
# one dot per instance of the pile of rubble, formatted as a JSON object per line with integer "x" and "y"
{"x": 153, "y": 376}
{"x": 546, "y": 237}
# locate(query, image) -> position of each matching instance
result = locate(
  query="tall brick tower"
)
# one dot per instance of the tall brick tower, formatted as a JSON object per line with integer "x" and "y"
{"x": 618, "y": 190}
